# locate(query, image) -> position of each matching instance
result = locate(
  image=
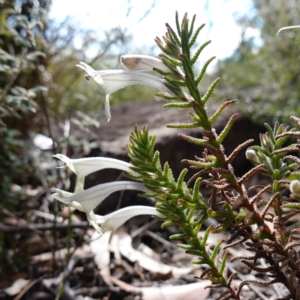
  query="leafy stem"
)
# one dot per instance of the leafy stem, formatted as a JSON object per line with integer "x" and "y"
{"x": 175, "y": 200}
{"x": 229, "y": 202}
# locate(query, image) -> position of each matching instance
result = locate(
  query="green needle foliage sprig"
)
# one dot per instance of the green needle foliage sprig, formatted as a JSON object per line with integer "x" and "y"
{"x": 229, "y": 203}
{"x": 183, "y": 207}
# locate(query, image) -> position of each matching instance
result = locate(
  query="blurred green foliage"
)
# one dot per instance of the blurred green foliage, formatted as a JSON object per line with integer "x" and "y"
{"x": 263, "y": 73}
{"x": 40, "y": 85}
{"x": 22, "y": 58}
{"x": 39, "y": 78}
{"x": 68, "y": 89}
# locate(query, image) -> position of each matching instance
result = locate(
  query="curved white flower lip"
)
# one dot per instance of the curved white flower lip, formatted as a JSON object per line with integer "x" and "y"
{"x": 114, "y": 220}
{"x": 288, "y": 27}
{"x": 84, "y": 166}
{"x": 87, "y": 200}
{"x": 138, "y": 62}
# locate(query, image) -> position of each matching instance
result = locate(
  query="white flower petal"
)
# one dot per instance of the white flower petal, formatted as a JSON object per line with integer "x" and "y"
{"x": 114, "y": 220}
{"x": 93, "y": 222}
{"x": 78, "y": 206}
{"x": 137, "y": 62}
{"x": 63, "y": 196}
{"x": 82, "y": 167}
{"x": 288, "y": 27}
{"x": 90, "y": 71}
{"x": 87, "y": 200}
{"x": 66, "y": 160}
{"x": 107, "y": 108}
{"x": 114, "y": 80}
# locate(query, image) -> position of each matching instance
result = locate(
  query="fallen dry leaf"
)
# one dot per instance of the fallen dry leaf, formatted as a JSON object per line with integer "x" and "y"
{"x": 145, "y": 261}
{"x": 100, "y": 249}
{"x": 16, "y": 287}
{"x": 192, "y": 291}
{"x": 148, "y": 251}
{"x": 61, "y": 254}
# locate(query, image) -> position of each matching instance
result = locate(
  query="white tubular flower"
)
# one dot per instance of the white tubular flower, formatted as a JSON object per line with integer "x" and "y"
{"x": 84, "y": 166}
{"x": 137, "y": 62}
{"x": 295, "y": 187}
{"x": 114, "y": 220}
{"x": 114, "y": 80}
{"x": 87, "y": 200}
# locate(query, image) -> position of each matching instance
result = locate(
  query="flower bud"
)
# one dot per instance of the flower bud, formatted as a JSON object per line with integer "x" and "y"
{"x": 295, "y": 187}
{"x": 251, "y": 155}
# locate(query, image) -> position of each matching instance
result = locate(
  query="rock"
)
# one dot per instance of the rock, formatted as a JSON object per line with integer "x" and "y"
{"x": 112, "y": 138}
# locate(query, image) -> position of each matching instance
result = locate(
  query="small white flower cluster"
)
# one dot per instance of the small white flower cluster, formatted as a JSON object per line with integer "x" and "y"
{"x": 111, "y": 81}
{"x": 87, "y": 200}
